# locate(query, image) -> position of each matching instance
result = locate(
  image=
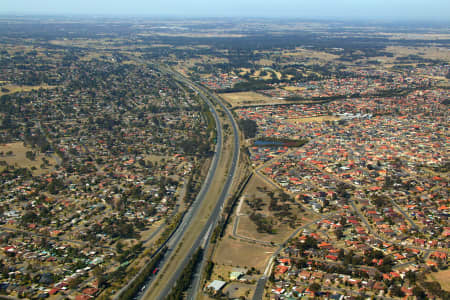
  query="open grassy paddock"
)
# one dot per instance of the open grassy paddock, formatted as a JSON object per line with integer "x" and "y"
{"x": 18, "y": 158}
{"x": 443, "y": 277}
{"x": 317, "y": 119}
{"x": 12, "y": 88}
{"x": 233, "y": 252}
{"x": 251, "y": 99}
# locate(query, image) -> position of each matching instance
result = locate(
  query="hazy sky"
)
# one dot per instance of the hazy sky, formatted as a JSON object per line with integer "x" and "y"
{"x": 342, "y": 9}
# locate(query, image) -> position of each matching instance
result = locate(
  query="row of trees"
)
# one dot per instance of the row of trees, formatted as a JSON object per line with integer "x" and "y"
{"x": 185, "y": 279}
{"x": 140, "y": 279}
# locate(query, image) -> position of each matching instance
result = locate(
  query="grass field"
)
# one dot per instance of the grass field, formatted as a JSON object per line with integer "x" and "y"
{"x": 417, "y": 36}
{"x": 426, "y": 52}
{"x": 243, "y": 71}
{"x": 257, "y": 75}
{"x": 248, "y": 228}
{"x": 22, "y": 88}
{"x": 443, "y": 277}
{"x": 19, "y": 159}
{"x": 293, "y": 88}
{"x": 310, "y": 54}
{"x": 233, "y": 252}
{"x": 265, "y": 62}
{"x": 246, "y": 98}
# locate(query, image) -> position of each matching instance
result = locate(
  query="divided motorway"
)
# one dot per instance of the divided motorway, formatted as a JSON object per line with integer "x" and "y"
{"x": 192, "y": 214}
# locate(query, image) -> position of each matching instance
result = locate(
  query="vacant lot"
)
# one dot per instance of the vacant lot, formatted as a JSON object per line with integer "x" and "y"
{"x": 314, "y": 119}
{"x": 247, "y": 228}
{"x": 14, "y": 154}
{"x": 258, "y": 189}
{"x": 247, "y": 98}
{"x": 443, "y": 277}
{"x": 253, "y": 99}
{"x": 233, "y": 252}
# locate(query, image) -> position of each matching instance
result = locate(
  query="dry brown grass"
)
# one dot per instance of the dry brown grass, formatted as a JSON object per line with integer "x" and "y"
{"x": 293, "y": 88}
{"x": 443, "y": 277}
{"x": 315, "y": 55}
{"x": 318, "y": 119}
{"x": 23, "y": 88}
{"x": 264, "y": 62}
{"x": 247, "y": 227}
{"x": 233, "y": 252}
{"x": 243, "y": 71}
{"x": 426, "y": 52}
{"x": 247, "y": 98}
{"x": 417, "y": 36}
{"x": 18, "y": 158}
{"x": 200, "y": 35}
{"x": 257, "y": 75}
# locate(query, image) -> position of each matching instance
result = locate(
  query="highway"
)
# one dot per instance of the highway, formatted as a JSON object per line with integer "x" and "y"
{"x": 191, "y": 215}
{"x": 223, "y": 196}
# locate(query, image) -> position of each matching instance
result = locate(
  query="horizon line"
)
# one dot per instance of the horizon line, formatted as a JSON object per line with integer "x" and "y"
{"x": 249, "y": 17}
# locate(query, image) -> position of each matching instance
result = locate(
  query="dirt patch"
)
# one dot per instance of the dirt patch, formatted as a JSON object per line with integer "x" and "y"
{"x": 235, "y": 290}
